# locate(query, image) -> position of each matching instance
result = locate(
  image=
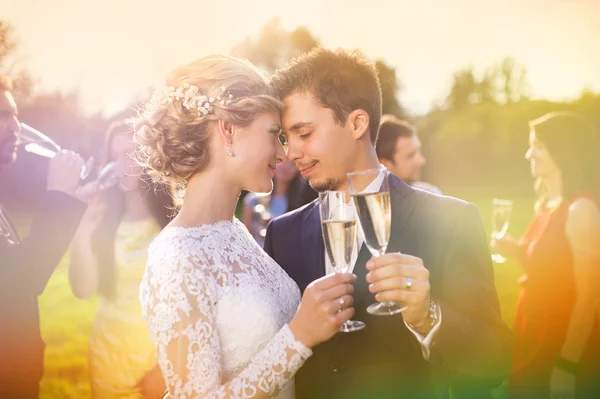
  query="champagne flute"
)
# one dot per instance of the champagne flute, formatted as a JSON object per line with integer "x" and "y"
{"x": 36, "y": 142}
{"x": 109, "y": 176}
{"x": 501, "y": 210}
{"x": 338, "y": 225}
{"x": 371, "y": 193}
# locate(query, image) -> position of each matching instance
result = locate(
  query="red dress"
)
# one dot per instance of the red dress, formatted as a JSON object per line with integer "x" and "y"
{"x": 544, "y": 309}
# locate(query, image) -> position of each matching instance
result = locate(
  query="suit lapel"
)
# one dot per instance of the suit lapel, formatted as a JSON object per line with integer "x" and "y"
{"x": 312, "y": 243}
{"x": 361, "y": 286}
{"x": 402, "y": 207}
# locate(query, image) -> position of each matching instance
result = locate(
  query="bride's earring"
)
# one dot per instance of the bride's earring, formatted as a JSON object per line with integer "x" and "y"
{"x": 228, "y": 148}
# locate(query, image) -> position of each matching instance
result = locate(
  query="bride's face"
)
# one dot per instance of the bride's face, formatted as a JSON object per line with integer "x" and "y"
{"x": 257, "y": 151}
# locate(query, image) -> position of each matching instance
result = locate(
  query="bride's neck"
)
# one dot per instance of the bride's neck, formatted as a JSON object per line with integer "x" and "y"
{"x": 209, "y": 198}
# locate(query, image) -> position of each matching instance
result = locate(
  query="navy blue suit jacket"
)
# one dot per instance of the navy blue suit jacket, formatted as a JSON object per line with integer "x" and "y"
{"x": 473, "y": 346}
{"x": 25, "y": 269}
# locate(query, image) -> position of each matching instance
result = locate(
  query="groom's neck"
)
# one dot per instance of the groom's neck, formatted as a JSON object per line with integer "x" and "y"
{"x": 365, "y": 158}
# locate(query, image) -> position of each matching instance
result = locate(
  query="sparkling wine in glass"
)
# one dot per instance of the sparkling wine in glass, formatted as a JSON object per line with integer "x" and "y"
{"x": 501, "y": 210}
{"x": 371, "y": 194}
{"x": 36, "y": 142}
{"x": 338, "y": 225}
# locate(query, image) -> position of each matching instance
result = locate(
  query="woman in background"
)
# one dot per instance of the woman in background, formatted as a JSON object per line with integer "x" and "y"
{"x": 108, "y": 258}
{"x": 557, "y": 348}
{"x": 290, "y": 191}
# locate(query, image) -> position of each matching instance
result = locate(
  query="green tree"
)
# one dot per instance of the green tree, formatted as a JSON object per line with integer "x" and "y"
{"x": 512, "y": 78}
{"x": 9, "y": 63}
{"x": 275, "y": 46}
{"x": 504, "y": 83}
{"x": 8, "y": 44}
{"x": 464, "y": 89}
{"x": 390, "y": 87}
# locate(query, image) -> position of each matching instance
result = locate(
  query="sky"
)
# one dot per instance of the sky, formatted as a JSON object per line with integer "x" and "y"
{"x": 110, "y": 50}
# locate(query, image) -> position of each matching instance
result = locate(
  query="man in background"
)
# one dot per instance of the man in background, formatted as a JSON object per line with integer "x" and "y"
{"x": 26, "y": 264}
{"x": 399, "y": 150}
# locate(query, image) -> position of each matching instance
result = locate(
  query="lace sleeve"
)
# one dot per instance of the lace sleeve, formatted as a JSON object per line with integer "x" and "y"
{"x": 178, "y": 300}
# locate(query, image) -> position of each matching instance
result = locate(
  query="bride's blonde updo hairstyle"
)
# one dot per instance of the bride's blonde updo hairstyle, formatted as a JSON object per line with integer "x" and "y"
{"x": 173, "y": 132}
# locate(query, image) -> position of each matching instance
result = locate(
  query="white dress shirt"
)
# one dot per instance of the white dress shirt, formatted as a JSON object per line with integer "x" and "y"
{"x": 425, "y": 342}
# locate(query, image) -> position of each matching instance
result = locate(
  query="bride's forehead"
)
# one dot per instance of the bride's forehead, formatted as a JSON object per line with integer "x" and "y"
{"x": 270, "y": 120}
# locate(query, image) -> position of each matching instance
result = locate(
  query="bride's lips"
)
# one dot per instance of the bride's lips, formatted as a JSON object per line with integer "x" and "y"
{"x": 272, "y": 167}
{"x": 305, "y": 171}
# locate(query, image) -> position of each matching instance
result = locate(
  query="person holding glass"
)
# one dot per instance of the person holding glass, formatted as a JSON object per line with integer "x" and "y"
{"x": 426, "y": 258}
{"x": 339, "y": 228}
{"x": 259, "y": 209}
{"x": 557, "y": 348}
{"x": 226, "y": 320}
{"x": 108, "y": 255}
{"x": 26, "y": 264}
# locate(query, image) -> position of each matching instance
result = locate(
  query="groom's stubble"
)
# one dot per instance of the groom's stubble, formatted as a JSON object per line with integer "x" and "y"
{"x": 330, "y": 184}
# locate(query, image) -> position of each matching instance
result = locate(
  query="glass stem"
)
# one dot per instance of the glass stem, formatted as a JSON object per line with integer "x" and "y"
{"x": 381, "y": 252}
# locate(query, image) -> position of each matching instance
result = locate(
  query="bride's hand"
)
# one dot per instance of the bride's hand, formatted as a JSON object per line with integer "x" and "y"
{"x": 326, "y": 305}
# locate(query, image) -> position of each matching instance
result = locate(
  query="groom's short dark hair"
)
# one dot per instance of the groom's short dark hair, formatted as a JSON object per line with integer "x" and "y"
{"x": 340, "y": 80}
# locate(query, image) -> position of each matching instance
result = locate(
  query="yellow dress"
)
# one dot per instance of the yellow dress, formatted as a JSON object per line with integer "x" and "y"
{"x": 121, "y": 350}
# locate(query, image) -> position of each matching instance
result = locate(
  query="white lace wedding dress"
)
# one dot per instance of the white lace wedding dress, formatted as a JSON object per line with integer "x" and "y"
{"x": 217, "y": 307}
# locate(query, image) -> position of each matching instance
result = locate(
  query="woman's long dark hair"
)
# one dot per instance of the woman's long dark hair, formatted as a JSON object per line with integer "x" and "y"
{"x": 157, "y": 198}
{"x": 573, "y": 144}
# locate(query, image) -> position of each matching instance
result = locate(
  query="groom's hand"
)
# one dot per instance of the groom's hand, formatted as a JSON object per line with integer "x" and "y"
{"x": 398, "y": 277}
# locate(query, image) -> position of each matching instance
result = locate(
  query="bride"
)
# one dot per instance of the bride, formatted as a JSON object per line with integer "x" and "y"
{"x": 226, "y": 319}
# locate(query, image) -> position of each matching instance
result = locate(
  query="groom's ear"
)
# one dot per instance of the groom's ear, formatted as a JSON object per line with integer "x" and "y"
{"x": 225, "y": 131}
{"x": 359, "y": 123}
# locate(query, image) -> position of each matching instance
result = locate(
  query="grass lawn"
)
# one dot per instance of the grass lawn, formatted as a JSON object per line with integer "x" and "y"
{"x": 66, "y": 321}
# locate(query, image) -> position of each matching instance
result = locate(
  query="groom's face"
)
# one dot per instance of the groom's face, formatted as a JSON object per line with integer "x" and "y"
{"x": 321, "y": 147}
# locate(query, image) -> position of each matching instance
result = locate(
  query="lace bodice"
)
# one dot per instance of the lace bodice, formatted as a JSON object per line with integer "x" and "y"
{"x": 217, "y": 307}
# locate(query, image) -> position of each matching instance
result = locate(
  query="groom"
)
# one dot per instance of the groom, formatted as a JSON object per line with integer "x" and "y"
{"x": 451, "y": 337}
{"x": 26, "y": 264}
